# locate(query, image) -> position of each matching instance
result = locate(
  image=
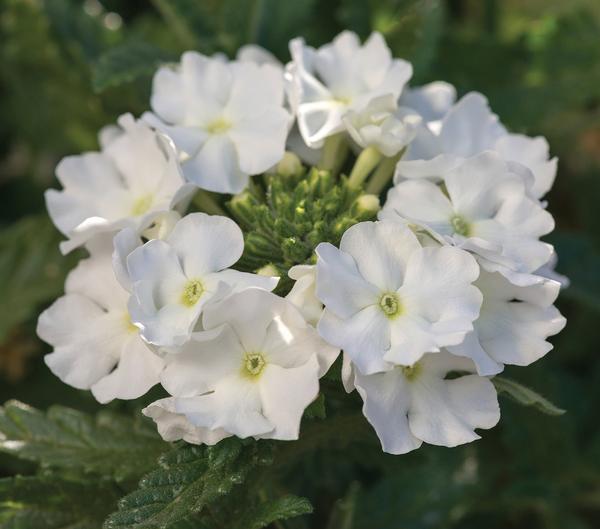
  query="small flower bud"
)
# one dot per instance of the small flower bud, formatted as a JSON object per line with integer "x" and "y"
{"x": 268, "y": 270}
{"x": 290, "y": 165}
{"x": 367, "y": 205}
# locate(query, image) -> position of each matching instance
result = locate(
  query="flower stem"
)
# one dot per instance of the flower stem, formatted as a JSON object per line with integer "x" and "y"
{"x": 367, "y": 161}
{"x": 383, "y": 174}
{"x": 204, "y": 201}
{"x": 333, "y": 153}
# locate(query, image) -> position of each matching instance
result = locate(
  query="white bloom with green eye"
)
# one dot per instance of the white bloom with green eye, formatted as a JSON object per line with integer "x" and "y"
{"x": 134, "y": 177}
{"x": 383, "y": 125}
{"x": 481, "y": 205}
{"x": 467, "y": 129}
{"x": 388, "y": 300}
{"x": 174, "y": 278}
{"x": 253, "y": 370}
{"x": 324, "y": 84}
{"x": 96, "y": 345}
{"x": 227, "y": 119}
{"x": 514, "y": 322}
{"x": 411, "y": 405}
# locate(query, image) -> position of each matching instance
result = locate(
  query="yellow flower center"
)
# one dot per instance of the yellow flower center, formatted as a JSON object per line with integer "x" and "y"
{"x": 253, "y": 365}
{"x": 141, "y": 205}
{"x": 390, "y": 305}
{"x": 192, "y": 292}
{"x": 460, "y": 226}
{"x": 129, "y": 326}
{"x": 218, "y": 126}
{"x": 411, "y": 372}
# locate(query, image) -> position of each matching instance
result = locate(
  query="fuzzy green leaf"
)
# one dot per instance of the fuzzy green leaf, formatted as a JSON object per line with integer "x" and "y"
{"x": 66, "y": 439}
{"x": 191, "y": 479}
{"x": 125, "y": 63}
{"x": 525, "y": 396}
{"x": 53, "y": 502}
{"x": 262, "y": 514}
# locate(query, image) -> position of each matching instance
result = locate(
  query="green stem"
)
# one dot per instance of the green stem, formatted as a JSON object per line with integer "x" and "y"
{"x": 204, "y": 201}
{"x": 333, "y": 153}
{"x": 367, "y": 161}
{"x": 383, "y": 174}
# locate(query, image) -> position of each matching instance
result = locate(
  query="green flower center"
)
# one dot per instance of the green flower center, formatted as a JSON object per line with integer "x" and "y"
{"x": 253, "y": 364}
{"x": 390, "y": 305}
{"x": 411, "y": 372}
{"x": 141, "y": 205}
{"x": 460, "y": 226}
{"x": 192, "y": 292}
{"x": 218, "y": 126}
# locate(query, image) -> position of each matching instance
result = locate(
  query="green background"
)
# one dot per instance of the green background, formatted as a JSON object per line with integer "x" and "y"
{"x": 68, "y": 68}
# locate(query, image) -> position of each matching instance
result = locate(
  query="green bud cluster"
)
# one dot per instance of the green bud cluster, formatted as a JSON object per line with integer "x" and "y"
{"x": 286, "y": 219}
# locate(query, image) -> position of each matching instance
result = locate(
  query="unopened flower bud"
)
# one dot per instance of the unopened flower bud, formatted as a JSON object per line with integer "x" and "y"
{"x": 290, "y": 165}
{"x": 367, "y": 205}
{"x": 269, "y": 270}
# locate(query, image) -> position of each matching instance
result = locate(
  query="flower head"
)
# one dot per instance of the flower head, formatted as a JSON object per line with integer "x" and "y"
{"x": 173, "y": 279}
{"x": 254, "y": 369}
{"x": 483, "y": 205}
{"x": 96, "y": 345}
{"x": 325, "y": 83}
{"x": 135, "y": 177}
{"x": 389, "y": 300}
{"x": 226, "y": 118}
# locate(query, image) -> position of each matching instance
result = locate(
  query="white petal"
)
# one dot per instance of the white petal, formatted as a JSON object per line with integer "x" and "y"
{"x": 206, "y": 243}
{"x": 282, "y": 407}
{"x": 387, "y": 401}
{"x": 124, "y": 242}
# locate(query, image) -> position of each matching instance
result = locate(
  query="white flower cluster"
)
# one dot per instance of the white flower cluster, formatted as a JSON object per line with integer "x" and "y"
{"x": 427, "y": 303}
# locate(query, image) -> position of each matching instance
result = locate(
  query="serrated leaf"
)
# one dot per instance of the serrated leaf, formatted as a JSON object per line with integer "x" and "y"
{"x": 525, "y": 396}
{"x": 267, "y": 512}
{"x": 32, "y": 270}
{"x": 53, "y": 502}
{"x": 190, "y": 479}
{"x": 66, "y": 439}
{"x": 125, "y": 63}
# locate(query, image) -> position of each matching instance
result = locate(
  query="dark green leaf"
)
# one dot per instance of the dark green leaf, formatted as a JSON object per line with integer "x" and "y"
{"x": 66, "y": 439}
{"x": 125, "y": 63}
{"x": 525, "y": 396}
{"x": 267, "y": 512}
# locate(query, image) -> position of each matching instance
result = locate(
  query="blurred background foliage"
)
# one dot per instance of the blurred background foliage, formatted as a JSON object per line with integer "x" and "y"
{"x": 67, "y": 68}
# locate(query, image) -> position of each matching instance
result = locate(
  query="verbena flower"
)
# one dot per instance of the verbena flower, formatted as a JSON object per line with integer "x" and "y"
{"x": 96, "y": 346}
{"x": 389, "y": 300}
{"x": 411, "y": 405}
{"x": 134, "y": 177}
{"x": 304, "y": 292}
{"x": 227, "y": 119}
{"x": 173, "y": 279}
{"x": 254, "y": 369}
{"x": 467, "y": 129}
{"x": 483, "y": 206}
{"x": 324, "y": 84}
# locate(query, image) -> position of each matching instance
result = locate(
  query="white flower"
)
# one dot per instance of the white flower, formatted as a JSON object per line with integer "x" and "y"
{"x": 258, "y": 55}
{"x": 173, "y": 279}
{"x": 513, "y": 323}
{"x": 389, "y": 300}
{"x": 227, "y": 119}
{"x": 484, "y": 207}
{"x": 468, "y": 129}
{"x": 383, "y": 125}
{"x": 304, "y": 294}
{"x": 135, "y": 176}
{"x": 173, "y": 426}
{"x": 323, "y": 84}
{"x": 253, "y": 371}
{"x": 408, "y": 406}
{"x": 96, "y": 346}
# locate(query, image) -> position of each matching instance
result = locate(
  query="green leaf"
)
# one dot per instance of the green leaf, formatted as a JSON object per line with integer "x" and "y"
{"x": 32, "y": 270}
{"x": 265, "y": 513}
{"x": 125, "y": 63}
{"x": 53, "y": 502}
{"x": 525, "y": 396}
{"x": 66, "y": 439}
{"x": 190, "y": 480}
